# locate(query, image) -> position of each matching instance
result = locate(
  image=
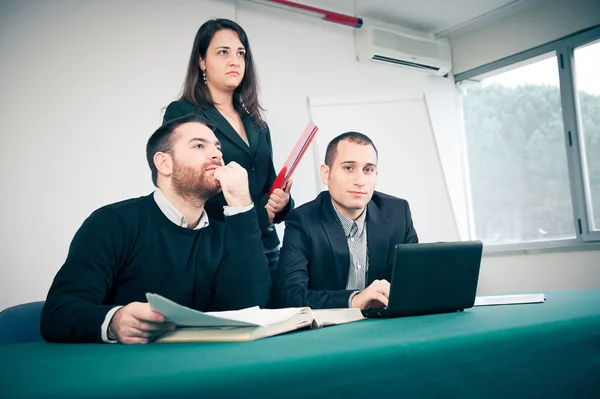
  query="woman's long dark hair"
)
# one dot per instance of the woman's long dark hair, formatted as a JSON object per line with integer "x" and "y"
{"x": 195, "y": 91}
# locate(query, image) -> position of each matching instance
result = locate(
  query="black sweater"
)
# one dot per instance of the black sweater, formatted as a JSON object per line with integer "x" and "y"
{"x": 124, "y": 250}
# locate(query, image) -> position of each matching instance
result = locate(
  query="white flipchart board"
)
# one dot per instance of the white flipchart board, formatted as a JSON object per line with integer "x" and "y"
{"x": 409, "y": 163}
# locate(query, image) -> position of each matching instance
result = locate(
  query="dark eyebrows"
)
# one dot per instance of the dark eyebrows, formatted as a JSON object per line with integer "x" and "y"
{"x": 205, "y": 141}
{"x": 354, "y": 163}
{"x": 227, "y": 48}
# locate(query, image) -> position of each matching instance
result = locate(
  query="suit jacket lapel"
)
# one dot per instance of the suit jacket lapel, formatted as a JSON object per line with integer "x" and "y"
{"x": 251, "y": 131}
{"x": 215, "y": 117}
{"x": 337, "y": 240}
{"x": 378, "y": 239}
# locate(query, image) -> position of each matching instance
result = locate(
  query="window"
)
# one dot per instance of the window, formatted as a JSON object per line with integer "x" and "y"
{"x": 587, "y": 81}
{"x": 532, "y": 128}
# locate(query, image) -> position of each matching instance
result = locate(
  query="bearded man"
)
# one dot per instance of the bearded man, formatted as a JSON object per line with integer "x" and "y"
{"x": 162, "y": 243}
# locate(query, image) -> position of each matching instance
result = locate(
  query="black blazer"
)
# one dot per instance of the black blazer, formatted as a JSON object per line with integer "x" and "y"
{"x": 314, "y": 261}
{"x": 257, "y": 159}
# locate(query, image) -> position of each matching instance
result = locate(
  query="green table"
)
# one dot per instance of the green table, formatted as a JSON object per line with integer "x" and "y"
{"x": 538, "y": 350}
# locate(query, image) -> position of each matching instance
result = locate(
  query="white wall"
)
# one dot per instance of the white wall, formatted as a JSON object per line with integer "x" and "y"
{"x": 82, "y": 85}
{"x": 301, "y": 57}
{"x": 542, "y": 22}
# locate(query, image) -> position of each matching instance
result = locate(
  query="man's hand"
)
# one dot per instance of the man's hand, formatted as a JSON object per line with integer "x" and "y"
{"x": 278, "y": 200}
{"x": 137, "y": 323}
{"x": 374, "y": 296}
{"x": 234, "y": 183}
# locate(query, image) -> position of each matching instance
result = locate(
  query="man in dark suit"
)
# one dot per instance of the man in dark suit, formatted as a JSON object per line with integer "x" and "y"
{"x": 338, "y": 249}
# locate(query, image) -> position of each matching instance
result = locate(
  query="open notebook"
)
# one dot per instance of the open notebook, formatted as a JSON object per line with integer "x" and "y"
{"x": 243, "y": 325}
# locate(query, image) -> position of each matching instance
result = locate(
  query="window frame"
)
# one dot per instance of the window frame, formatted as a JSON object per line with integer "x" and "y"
{"x": 564, "y": 48}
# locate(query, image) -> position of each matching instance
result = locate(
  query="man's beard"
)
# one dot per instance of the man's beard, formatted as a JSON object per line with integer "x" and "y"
{"x": 194, "y": 185}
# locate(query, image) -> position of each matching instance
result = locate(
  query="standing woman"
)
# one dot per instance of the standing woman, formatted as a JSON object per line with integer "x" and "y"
{"x": 221, "y": 85}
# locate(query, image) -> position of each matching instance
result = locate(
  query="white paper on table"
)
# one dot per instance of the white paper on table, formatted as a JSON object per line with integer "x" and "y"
{"x": 249, "y": 317}
{"x": 513, "y": 299}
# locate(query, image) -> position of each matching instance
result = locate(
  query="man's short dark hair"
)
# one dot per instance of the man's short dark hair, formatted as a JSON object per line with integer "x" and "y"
{"x": 352, "y": 137}
{"x": 161, "y": 139}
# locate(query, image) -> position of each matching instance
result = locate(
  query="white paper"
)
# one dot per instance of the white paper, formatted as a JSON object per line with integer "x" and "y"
{"x": 250, "y": 317}
{"x": 509, "y": 299}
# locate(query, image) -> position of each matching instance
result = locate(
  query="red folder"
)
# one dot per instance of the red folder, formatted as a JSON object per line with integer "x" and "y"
{"x": 295, "y": 156}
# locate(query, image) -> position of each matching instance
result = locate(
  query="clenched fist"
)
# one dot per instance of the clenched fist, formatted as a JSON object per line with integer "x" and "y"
{"x": 234, "y": 184}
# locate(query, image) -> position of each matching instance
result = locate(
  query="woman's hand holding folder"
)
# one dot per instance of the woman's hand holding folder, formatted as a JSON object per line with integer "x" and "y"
{"x": 278, "y": 200}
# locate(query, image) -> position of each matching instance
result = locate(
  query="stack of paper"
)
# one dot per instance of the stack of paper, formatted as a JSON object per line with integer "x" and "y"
{"x": 509, "y": 299}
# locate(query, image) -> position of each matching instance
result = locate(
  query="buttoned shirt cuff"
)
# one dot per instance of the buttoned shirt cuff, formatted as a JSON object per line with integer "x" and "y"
{"x": 104, "y": 327}
{"x": 350, "y": 299}
{"x": 234, "y": 210}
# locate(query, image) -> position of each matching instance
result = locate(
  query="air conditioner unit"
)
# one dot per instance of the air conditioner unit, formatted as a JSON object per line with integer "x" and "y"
{"x": 396, "y": 45}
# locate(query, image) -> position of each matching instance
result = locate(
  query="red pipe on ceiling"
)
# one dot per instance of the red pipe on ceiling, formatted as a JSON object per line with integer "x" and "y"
{"x": 314, "y": 12}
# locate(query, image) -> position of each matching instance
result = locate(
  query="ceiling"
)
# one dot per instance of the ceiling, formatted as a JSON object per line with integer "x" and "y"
{"x": 440, "y": 17}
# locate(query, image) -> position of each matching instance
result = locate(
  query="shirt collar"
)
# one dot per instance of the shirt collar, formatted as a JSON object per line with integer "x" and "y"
{"x": 173, "y": 213}
{"x": 347, "y": 222}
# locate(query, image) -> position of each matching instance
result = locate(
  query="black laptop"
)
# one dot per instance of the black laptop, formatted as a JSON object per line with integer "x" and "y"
{"x": 432, "y": 278}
